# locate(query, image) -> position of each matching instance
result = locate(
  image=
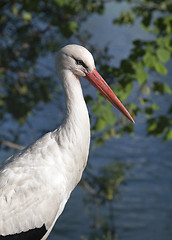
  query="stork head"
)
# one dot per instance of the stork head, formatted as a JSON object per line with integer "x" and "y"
{"x": 80, "y": 62}
{"x": 77, "y": 59}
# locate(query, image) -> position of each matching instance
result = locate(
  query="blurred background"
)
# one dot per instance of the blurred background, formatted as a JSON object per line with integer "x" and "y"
{"x": 126, "y": 190}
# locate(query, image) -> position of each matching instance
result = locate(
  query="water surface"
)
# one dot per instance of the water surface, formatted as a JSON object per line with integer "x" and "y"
{"x": 144, "y": 209}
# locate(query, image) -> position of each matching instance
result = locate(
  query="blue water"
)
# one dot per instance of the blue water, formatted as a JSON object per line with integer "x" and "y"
{"x": 144, "y": 209}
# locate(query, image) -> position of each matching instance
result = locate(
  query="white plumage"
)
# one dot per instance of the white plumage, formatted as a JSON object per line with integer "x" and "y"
{"x": 36, "y": 183}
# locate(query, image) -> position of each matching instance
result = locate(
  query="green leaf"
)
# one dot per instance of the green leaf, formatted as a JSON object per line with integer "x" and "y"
{"x": 164, "y": 42}
{"x": 157, "y": 126}
{"x": 168, "y": 136}
{"x": 100, "y": 124}
{"x": 167, "y": 42}
{"x": 123, "y": 91}
{"x": 68, "y": 28}
{"x": 129, "y": 88}
{"x": 149, "y": 60}
{"x": 140, "y": 75}
{"x": 155, "y": 107}
{"x": 24, "y": 90}
{"x": 145, "y": 23}
{"x": 160, "y": 68}
{"x": 161, "y": 88}
{"x": 163, "y": 55}
{"x": 152, "y": 126}
{"x": 167, "y": 89}
{"x": 125, "y": 18}
{"x": 133, "y": 108}
{"x": 27, "y": 17}
{"x": 108, "y": 115}
{"x": 98, "y": 108}
{"x": 73, "y": 26}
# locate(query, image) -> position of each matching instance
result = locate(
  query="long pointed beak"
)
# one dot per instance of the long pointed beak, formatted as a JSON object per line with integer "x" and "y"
{"x": 99, "y": 83}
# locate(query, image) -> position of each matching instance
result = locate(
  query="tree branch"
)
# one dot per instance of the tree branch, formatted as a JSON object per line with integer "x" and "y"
{"x": 11, "y": 144}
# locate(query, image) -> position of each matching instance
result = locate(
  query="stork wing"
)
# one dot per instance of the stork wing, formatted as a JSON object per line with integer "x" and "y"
{"x": 32, "y": 195}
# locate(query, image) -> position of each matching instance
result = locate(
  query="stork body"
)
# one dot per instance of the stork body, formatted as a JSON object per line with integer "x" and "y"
{"x": 36, "y": 183}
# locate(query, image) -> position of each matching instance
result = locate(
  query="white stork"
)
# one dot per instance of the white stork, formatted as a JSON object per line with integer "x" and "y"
{"x": 36, "y": 183}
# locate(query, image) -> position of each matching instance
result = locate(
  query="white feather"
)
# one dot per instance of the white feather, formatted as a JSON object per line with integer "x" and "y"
{"x": 36, "y": 183}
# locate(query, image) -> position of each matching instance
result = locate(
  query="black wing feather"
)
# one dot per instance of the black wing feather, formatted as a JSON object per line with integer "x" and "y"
{"x": 32, "y": 234}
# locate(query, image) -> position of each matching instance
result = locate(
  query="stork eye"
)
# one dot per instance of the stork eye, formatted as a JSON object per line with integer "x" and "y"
{"x": 80, "y": 62}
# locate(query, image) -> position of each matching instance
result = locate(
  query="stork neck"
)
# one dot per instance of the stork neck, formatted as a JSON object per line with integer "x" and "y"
{"x": 74, "y": 133}
{"x": 77, "y": 118}
{"x": 75, "y": 103}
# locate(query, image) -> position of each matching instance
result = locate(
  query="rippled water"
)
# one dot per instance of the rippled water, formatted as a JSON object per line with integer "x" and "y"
{"x": 144, "y": 209}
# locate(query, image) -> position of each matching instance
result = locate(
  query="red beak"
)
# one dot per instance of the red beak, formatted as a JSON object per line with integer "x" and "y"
{"x": 98, "y": 82}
